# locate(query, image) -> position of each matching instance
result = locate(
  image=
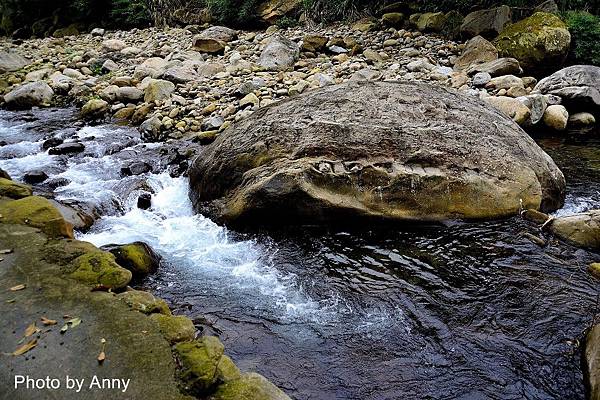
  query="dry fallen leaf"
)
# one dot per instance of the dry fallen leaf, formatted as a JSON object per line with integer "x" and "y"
{"x": 5, "y": 251}
{"x": 25, "y": 348}
{"x": 31, "y": 330}
{"x": 102, "y": 355}
{"x": 11, "y": 301}
{"x": 18, "y": 287}
{"x": 70, "y": 324}
{"x": 47, "y": 321}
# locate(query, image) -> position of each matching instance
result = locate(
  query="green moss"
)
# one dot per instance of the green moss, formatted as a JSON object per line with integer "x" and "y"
{"x": 536, "y": 41}
{"x": 249, "y": 387}
{"x": 199, "y": 361}
{"x": 175, "y": 328}
{"x": 63, "y": 252}
{"x": 227, "y": 371}
{"x": 99, "y": 268}
{"x": 144, "y": 302}
{"x": 14, "y": 190}
{"x": 594, "y": 269}
{"x": 137, "y": 257}
{"x": 37, "y": 212}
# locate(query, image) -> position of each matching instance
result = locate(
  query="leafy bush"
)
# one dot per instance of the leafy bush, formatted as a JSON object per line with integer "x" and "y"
{"x": 332, "y": 10}
{"x": 236, "y": 12}
{"x": 585, "y": 37}
{"x": 130, "y": 12}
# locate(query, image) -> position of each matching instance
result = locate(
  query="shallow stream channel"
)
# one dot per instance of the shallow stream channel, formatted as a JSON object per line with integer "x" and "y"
{"x": 460, "y": 311}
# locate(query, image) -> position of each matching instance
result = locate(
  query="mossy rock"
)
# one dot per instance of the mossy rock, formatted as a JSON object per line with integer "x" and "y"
{"x": 227, "y": 371}
{"x": 3, "y": 173}
{"x": 393, "y": 19}
{"x": 582, "y": 230}
{"x": 99, "y": 268}
{"x": 250, "y": 386}
{"x": 539, "y": 42}
{"x": 137, "y": 257}
{"x": 431, "y": 22}
{"x": 70, "y": 30}
{"x": 175, "y": 328}
{"x": 63, "y": 252}
{"x": 594, "y": 269}
{"x": 144, "y": 302}
{"x": 366, "y": 24}
{"x": 199, "y": 362}
{"x": 37, "y": 212}
{"x": 14, "y": 190}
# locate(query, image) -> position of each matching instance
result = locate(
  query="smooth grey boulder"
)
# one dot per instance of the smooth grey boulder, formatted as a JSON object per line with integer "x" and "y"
{"x": 11, "y": 61}
{"x": 577, "y": 85}
{"x": 487, "y": 23}
{"x": 390, "y": 150}
{"x": 582, "y": 230}
{"x": 279, "y": 54}
{"x": 29, "y": 95}
{"x": 499, "y": 67}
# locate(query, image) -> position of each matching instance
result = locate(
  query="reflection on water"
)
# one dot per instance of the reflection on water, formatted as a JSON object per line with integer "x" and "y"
{"x": 463, "y": 311}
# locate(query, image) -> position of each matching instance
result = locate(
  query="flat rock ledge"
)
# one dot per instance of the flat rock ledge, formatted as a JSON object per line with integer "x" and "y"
{"x": 389, "y": 150}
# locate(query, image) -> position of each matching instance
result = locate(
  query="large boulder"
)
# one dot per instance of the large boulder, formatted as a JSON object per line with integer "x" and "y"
{"x": 578, "y": 86}
{"x": 279, "y": 54}
{"x": 37, "y": 212}
{"x": 477, "y": 51}
{"x": 158, "y": 90}
{"x": 271, "y": 10}
{"x": 488, "y": 23}
{"x": 391, "y": 150}
{"x": 11, "y": 61}
{"x": 581, "y": 229}
{"x": 499, "y": 67}
{"x": 214, "y": 39}
{"x": 137, "y": 257}
{"x": 540, "y": 42}
{"x": 221, "y": 33}
{"x": 431, "y": 22}
{"x": 29, "y": 95}
{"x": 512, "y": 108}
{"x": 14, "y": 190}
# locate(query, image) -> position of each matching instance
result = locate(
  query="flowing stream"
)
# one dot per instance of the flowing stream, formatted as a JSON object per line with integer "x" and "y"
{"x": 461, "y": 311}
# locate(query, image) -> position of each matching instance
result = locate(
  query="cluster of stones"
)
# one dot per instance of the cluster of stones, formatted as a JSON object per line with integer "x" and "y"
{"x": 192, "y": 83}
{"x": 175, "y": 84}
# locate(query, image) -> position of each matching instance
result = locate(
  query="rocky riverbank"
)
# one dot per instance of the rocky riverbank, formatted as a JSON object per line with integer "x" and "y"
{"x": 182, "y": 85}
{"x": 193, "y": 83}
{"x": 68, "y": 311}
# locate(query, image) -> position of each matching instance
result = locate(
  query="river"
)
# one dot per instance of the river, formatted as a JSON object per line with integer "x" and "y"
{"x": 459, "y": 311}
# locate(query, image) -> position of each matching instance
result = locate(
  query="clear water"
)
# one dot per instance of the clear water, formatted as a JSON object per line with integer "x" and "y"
{"x": 464, "y": 311}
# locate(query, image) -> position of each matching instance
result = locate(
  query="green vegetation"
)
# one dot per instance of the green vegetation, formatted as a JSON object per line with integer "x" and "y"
{"x": 235, "y": 12}
{"x": 130, "y": 12}
{"x": 585, "y": 37}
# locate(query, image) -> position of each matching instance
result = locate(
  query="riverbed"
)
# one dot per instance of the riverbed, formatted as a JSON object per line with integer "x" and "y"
{"x": 458, "y": 311}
